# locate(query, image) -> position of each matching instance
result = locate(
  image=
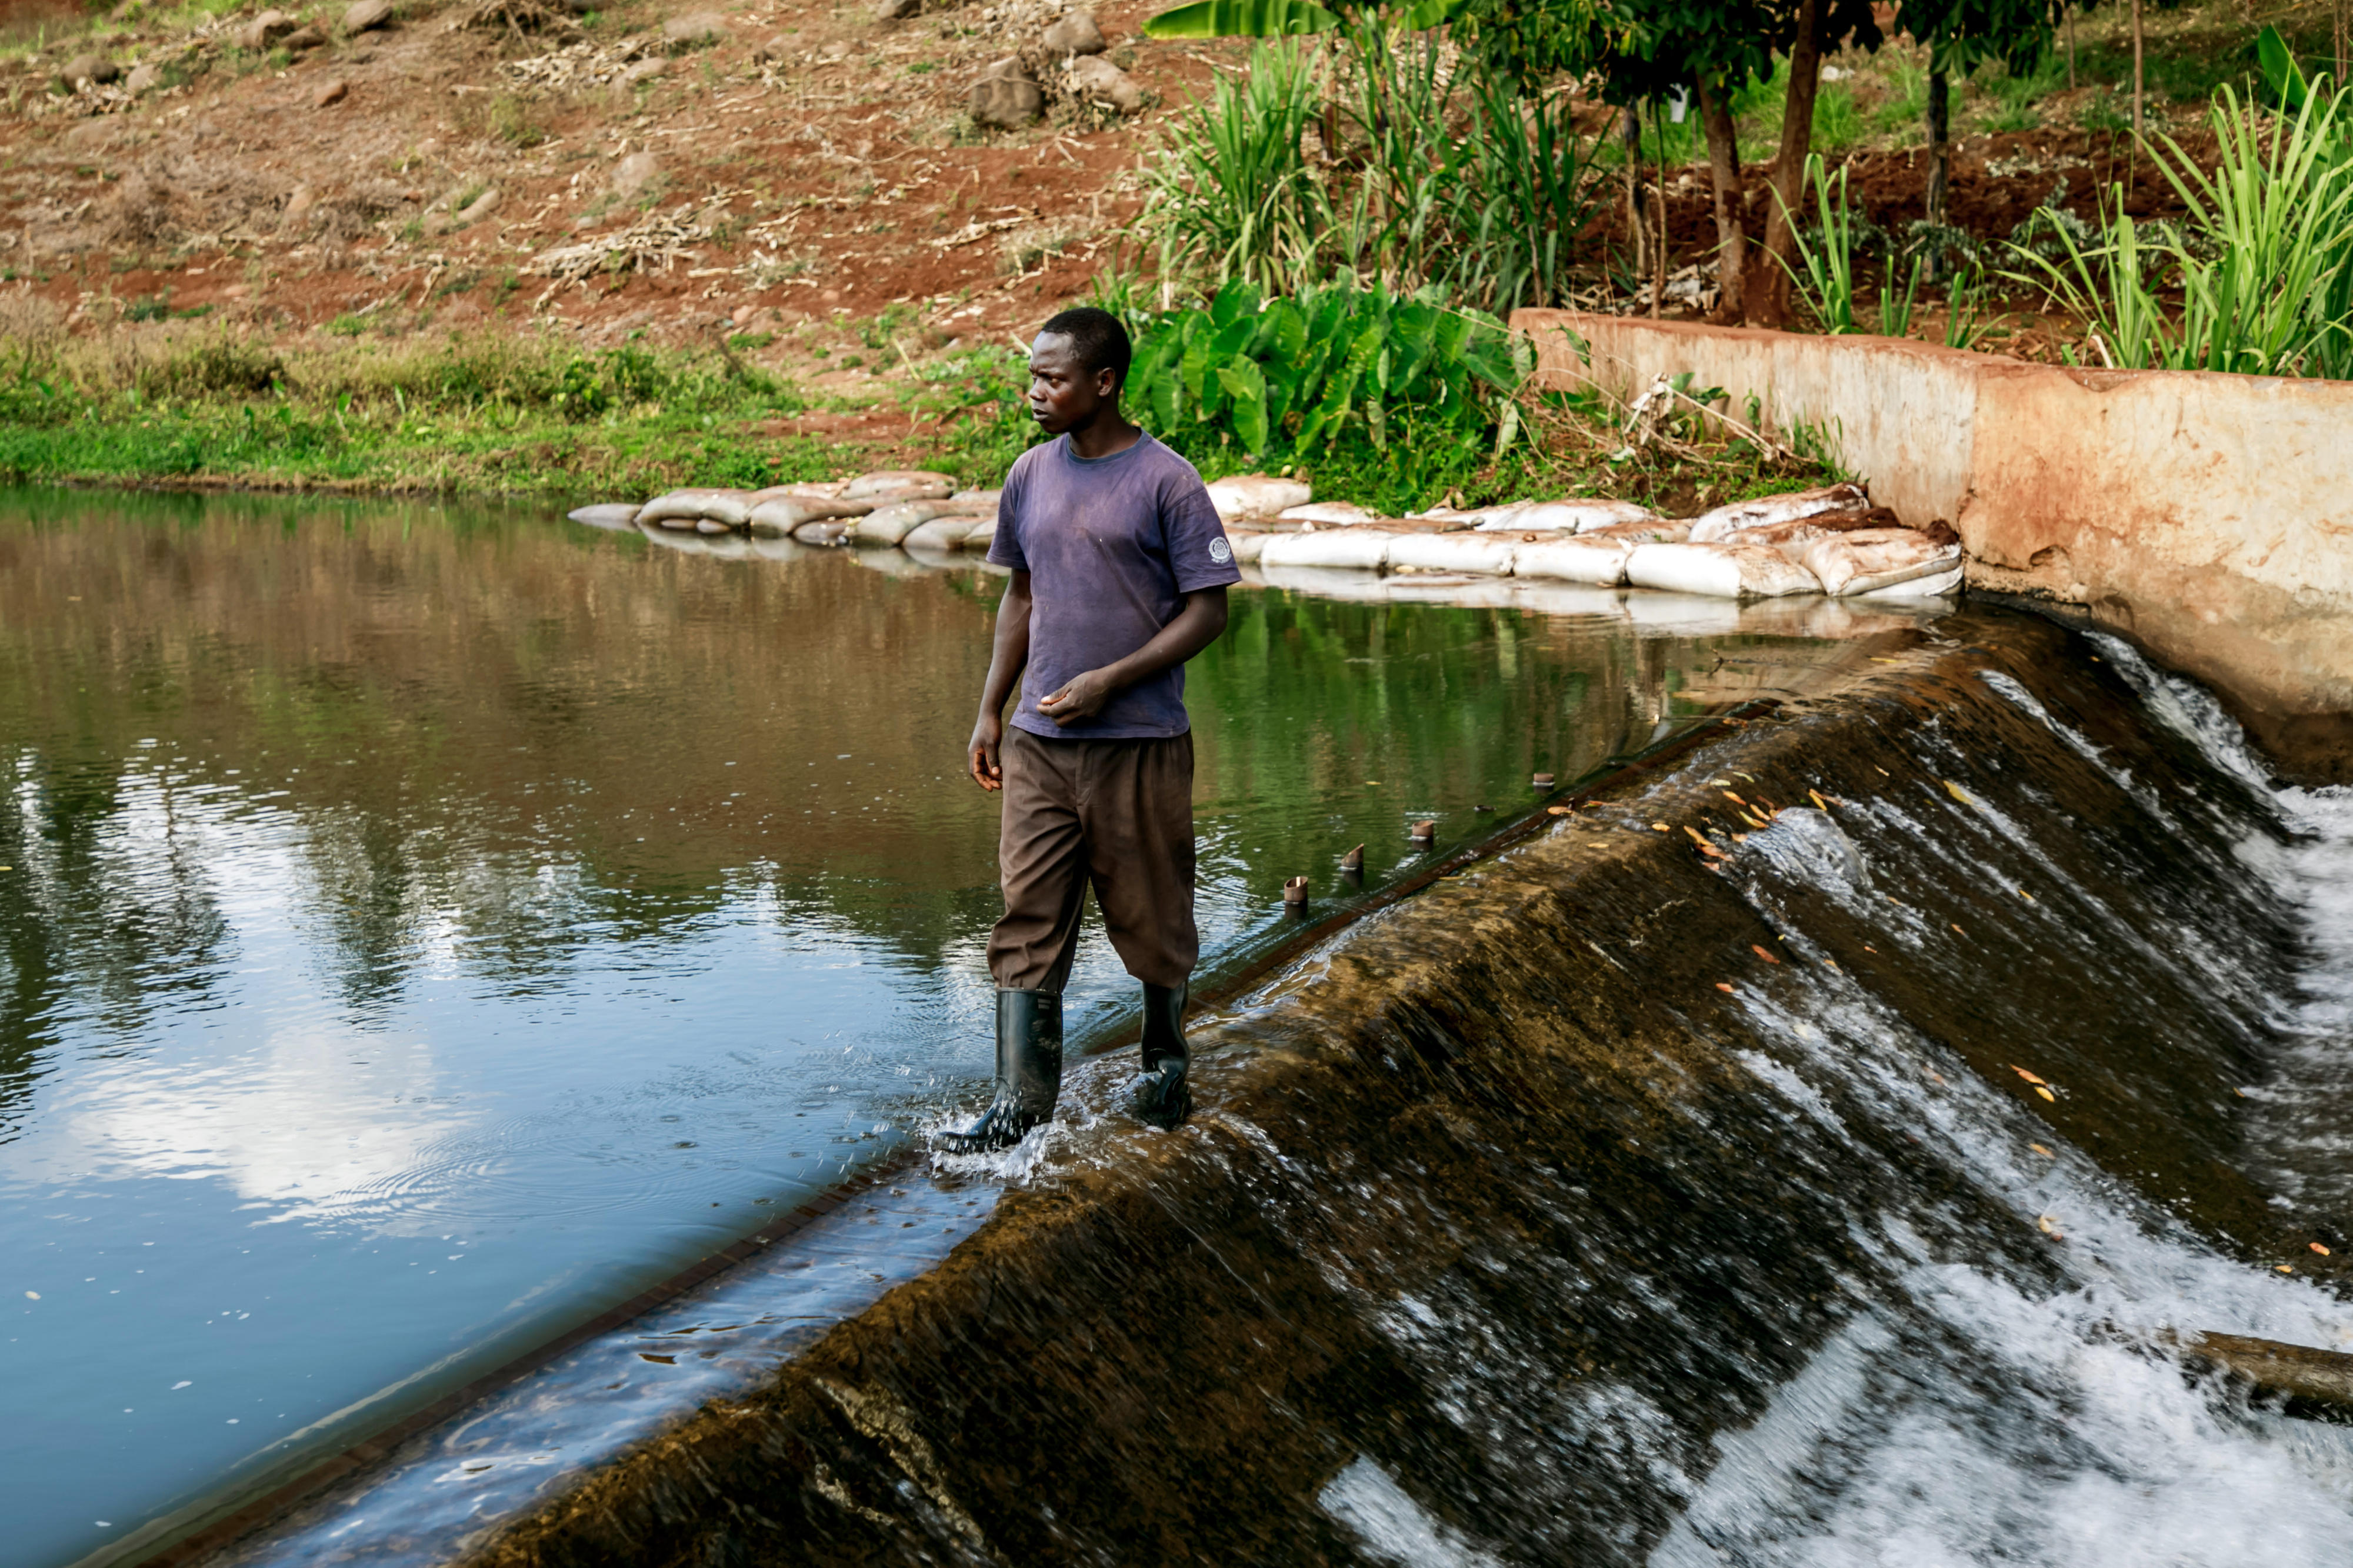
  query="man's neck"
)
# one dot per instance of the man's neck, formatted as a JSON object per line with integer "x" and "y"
{"x": 1106, "y": 434}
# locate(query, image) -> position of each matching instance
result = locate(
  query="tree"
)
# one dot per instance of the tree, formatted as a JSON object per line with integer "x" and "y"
{"x": 1961, "y": 34}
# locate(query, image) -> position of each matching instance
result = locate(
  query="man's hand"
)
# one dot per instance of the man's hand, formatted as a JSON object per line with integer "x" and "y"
{"x": 1082, "y": 697}
{"x": 980, "y": 753}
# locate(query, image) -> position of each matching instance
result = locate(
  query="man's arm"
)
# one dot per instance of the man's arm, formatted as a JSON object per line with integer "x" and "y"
{"x": 1197, "y": 625}
{"x": 1007, "y": 659}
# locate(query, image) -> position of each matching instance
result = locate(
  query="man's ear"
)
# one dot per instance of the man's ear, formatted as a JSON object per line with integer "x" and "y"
{"x": 1107, "y": 384}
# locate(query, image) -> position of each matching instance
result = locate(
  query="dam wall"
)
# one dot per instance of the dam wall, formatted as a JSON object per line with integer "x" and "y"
{"x": 2209, "y": 517}
{"x": 1887, "y": 1050}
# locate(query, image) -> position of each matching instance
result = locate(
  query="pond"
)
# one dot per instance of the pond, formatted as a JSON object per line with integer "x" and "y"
{"x": 421, "y": 927}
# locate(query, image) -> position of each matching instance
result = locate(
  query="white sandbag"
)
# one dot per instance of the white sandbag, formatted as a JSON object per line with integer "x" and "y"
{"x": 940, "y": 533}
{"x": 1355, "y": 549}
{"x": 728, "y": 508}
{"x": 778, "y": 512}
{"x": 1576, "y": 515}
{"x": 1483, "y": 553}
{"x": 1935, "y": 585}
{"x": 1710, "y": 526}
{"x": 705, "y": 525}
{"x": 889, "y": 524}
{"x": 826, "y": 532}
{"x": 824, "y": 500}
{"x": 1721, "y": 571}
{"x": 1328, "y": 583}
{"x": 1477, "y": 517}
{"x": 1331, "y": 514}
{"x": 1871, "y": 559}
{"x": 611, "y": 514}
{"x": 1547, "y": 597}
{"x": 898, "y": 484}
{"x": 1247, "y": 543}
{"x": 976, "y": 500}
{"x": 982, "y": 535}
{"x": 1256, "y": 495}
{"x": 1597, "y": 558}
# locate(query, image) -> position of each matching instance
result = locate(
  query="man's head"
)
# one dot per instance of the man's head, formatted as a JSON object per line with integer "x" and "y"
{"x": 1076, "y": 369}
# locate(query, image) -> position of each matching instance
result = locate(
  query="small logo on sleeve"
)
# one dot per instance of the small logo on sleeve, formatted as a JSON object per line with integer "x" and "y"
{"x": 1219, "y": 551}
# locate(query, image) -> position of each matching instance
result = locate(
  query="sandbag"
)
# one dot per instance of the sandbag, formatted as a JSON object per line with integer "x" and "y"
{"x": 940, "y": 533}
{"x": 775, "y": 514}
{"x": 1356, "y": 549}
{"x": 826, "y": 532}
{"x": 1330, "y": 514}
{"x": 1721, "y": 571}
{"x": 1793, "y": 538}
{"x": 977, "y": 500}
{"x": 1576, "y": 515}
{"x": 1931, "y": 586}
{"x": 889, "y": 524}
{"x": 610, "y": 514}
{"x": 1710, "y": 526}
{"x": 1476, "y": 517}
{"x": 1483, "y": 554}
{"x": 1247, "y": 543}
{"x": 1869, "y": 560}
{"x": 728, "y": 508}
{"x": 1597, "y": 558}
{"x": 898, "y": 484}
{"x": 1256, "y": 495}
{"x": 983, "y": 535}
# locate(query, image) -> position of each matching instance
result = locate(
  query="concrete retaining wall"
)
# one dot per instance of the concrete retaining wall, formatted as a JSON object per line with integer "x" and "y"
{"x": 2210, "y": 517}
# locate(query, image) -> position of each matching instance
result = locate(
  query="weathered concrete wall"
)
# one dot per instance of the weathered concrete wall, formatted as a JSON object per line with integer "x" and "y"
{"x": 2209, "y": 516}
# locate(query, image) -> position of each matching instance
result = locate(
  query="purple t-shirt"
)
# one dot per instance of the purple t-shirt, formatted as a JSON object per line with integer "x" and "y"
{"x": 1112, "y": 545}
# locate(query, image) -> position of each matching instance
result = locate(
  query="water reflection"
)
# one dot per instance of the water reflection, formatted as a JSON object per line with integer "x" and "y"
{"x": 423, "y": 927}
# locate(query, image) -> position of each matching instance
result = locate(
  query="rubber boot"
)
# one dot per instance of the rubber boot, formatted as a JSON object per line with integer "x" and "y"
{"x": 1160, "y": 1096}
{"x": 1029, "y": 1073}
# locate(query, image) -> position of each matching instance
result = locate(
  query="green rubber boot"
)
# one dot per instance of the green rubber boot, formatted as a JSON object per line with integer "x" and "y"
{"x": 1029, "y": 1073}
{"x": 1159, "y": 1097}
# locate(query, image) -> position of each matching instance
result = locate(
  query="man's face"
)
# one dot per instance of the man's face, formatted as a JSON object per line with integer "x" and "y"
{"x": 1063, "y": 395}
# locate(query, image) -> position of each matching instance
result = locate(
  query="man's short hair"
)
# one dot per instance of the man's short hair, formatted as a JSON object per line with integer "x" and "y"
{"x": 1100, "y": 341}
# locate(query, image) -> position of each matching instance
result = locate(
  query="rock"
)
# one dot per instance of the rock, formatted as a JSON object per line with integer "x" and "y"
{"x": 897, "y": 10}
{"x": 1358, "y": 549}
{"x": 480, "y": 208}
{"x": 1097, "y": 79}
{"x": 1010, "y": 65}
{"x": 898, "y": 484}
{"x": 298, "y": 207}
{"x": 693, "y": 28}
{"x": 612, "y": 514}
{"x": 633, "y": 174}
{"x": 1719, "y": 571}
{"x": 1873, "y": 560}
{"x": 366, "y": 16}
{"x": 1258, "y": 495}
{"x": 1487, "y": 554}
{"x": 1010, "y": 102}
{"x": 331, "y": 92}
{"x": 142, "y": 80}
{"x": 302, "y": 39}
{"x": 264, "y": 30}
{"x": 90, "y": 67}
{"x": 644, "y": 71}
{"x": 1711, "y": 526}
{"x": 1075, "y": 34}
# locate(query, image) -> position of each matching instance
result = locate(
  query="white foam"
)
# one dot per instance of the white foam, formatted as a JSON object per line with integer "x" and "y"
{"x": 1392, "y": 1526}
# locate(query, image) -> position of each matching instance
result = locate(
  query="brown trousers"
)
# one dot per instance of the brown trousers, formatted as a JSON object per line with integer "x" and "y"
{"x": 1116, "y": 814}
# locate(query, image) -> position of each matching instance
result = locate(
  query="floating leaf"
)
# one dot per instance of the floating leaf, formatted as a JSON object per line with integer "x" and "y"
{"x": 1958, "y": 931}
{"x": 1734, "y": 798}
{"x": 1720, "y": 985}
{"x": 2046, "y": 1094}
{"x": 2317, "y": 1247}
{"x": 2041, "y": 1151}
{"x": 1758, "y": 949}
{"x": 2284, "y": 1268}
{"x": 2026, "y": 1076}
{"x": 1957, "y": 793}
{"x": 1661, "y": 828}
{"x": 2048, "y": 1225}
{"x": 1819, "y": 804}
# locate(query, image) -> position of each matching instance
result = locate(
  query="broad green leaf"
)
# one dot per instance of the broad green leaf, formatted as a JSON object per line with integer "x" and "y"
{"x": 1243, "y": 383}
{"x": 1241, "y": 19}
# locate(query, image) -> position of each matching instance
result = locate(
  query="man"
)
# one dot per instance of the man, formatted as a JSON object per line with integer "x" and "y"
{"x": 1120, "y": 569}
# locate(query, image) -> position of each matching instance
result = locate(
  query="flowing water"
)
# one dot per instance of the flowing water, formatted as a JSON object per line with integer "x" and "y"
{"x": 1836, "y": 1193}
{"x": 421, "y": 928}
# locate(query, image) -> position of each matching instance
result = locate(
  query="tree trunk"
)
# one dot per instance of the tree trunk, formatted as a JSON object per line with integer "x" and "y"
{"x": 1940, "y": 161}
{"x": 1629, "y": 136}
{"x": 1724, "y": 174}
{"x": 2137, "y": 70}
{"x": 2068, "y": 11}
{"x": 1764, "y": 292}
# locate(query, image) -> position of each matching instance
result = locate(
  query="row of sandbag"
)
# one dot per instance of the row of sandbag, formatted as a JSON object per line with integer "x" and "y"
{"x": 899, "y": 505}
{"x": 1828, "y": 541}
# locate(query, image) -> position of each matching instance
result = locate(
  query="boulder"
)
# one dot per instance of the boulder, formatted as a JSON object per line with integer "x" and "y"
{"x": 303, "y": 39}
{"x": 1007, "y": 101}
{"x": 1878, "y": 559}
{"x": 142, "y": 80}
{"x": 366, "y": 16}
{"x": 898, "y": 484}
{"x": 1359, "y": 549}
{"x": 634, "y": 173}
{"x": 611, "y": 514}
{"x": 643, "y": 70}
{"x": 331, "y": 92}
{"x": 1256, "y": 495}
{"x": 1719, "y": 571}
{"x": 89, "y": 67}
{"x": 1100, "y": 81}
{"x": 1010, "y": 66}
{"x": 889, "y": 524}
{"x": 694, "y": 27}
{"x": 1711, "y": 526}
{"x": 1075, "y": 34}
{"x": 264, "y": 30}
{"x": 480, "y": 208}
{"x": 897, "y": 10}
{"x": 1483, "y": 554}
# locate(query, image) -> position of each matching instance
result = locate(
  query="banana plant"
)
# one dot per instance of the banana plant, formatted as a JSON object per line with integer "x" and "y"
{"x": 1284, "y": 19}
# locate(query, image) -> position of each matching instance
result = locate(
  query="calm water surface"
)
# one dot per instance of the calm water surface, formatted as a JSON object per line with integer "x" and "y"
{"x": 424, "y": 927}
